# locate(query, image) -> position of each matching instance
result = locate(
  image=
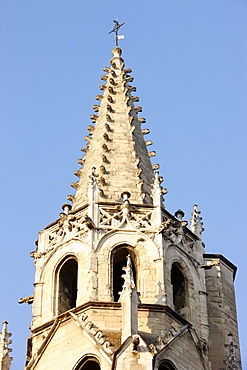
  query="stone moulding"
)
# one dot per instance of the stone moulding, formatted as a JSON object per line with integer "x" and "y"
{"x": 96, "y": 335}
{"x": 163, "y": 343}
{"x": 37, "y": 354}
{"x": 168, "y": 336}
{"x": 112, "y": 217}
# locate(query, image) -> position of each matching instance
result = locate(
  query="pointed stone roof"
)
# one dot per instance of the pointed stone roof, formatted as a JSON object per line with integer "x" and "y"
{"x": 116, "y": 150}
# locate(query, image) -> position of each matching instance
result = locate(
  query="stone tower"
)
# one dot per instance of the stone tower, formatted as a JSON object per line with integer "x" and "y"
{"x": 121, "y": 283}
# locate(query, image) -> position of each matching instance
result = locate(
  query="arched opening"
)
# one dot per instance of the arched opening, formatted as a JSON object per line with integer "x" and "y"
{"x": 179, "y": 289}
{"x": 67, "y": 285}
{"x": 119, "y": 261}
{"x": 88, "y": 363}
{"x": 166, "y": 365}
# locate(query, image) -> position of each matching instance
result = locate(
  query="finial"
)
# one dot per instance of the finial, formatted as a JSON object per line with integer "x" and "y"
{"x": 66, "y": 207}
{"x": 157, "y": 189}
{"x": 179, "y": 214}
{"x": 4, "y": 339}
{"x": 125, "y": 195}
{"x": 116, "y": 29}
{"x": 129, "y": 282}
{"x": 196, "y": 222}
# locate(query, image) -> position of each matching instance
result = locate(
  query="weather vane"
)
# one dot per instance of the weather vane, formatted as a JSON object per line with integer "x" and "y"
{"x": 115, "y": 29}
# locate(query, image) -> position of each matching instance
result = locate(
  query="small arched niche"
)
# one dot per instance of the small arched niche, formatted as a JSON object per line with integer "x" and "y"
{"x": 67, "y": 284}
{"x": 119, "y": 260}
{"x": 179, "y": 288}
{"x": 166, "y": 365}
{"x": 88, "y": 363}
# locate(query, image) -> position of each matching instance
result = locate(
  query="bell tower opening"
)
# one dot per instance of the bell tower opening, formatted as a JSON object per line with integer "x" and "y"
{"x": 178, "y": 285}
{"x": 119, "y": 261}
{"x": 67, "y": 285}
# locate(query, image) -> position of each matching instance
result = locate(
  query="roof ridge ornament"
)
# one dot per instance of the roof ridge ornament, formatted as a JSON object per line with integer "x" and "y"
{"x": 116, "y": 29}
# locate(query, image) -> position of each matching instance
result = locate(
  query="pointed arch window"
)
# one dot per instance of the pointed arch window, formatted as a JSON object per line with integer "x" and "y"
{"x": 88, "y": 363}
{"x": 166, "y": 365}
{"x": 178, "y": 287}
{"x": 67, "y": 285}
{"x": 119, "y": 261}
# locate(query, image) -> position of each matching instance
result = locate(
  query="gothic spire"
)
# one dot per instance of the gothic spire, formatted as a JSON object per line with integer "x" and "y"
{"x": 115, "y": 146}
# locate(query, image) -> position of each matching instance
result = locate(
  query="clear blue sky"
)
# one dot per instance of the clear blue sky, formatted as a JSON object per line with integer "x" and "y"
{"x": 189, "y": 62}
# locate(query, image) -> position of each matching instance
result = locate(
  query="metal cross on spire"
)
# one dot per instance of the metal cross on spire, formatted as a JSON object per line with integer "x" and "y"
{"x": 115, "y": 29}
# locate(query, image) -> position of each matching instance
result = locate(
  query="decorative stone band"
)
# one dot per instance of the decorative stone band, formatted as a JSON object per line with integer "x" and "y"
{"x": 99, "y": 338}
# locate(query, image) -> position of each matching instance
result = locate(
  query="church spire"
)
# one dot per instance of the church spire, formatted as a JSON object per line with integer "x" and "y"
{"x": 115, "y": 144}
{"x": 169, "y": 281}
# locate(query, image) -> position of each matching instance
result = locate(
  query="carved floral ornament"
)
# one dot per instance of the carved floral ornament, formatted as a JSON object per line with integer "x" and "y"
{"x": 113, "y": 217}
{"x": 68, "y": 226}
{"x": 172, "y": 227}
{"x": 101, "y": 339}
{"x": 71, "y": 226}
{"x": 167, "y": 336}
{"x": 174, "y": 231}
{"x": 232, "y": 363}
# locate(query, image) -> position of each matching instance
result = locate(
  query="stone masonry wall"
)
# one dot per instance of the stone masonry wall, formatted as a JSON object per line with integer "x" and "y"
{"x": 221, "y": 311}
{"x": 183, "y": 354}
